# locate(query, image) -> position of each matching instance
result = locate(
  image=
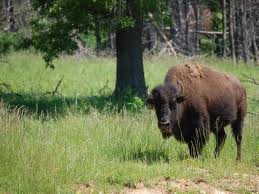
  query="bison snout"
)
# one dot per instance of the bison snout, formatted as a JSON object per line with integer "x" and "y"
{"x": 164, "y": 125}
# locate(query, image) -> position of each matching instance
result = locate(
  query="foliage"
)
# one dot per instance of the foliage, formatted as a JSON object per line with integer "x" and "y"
{"x": 5, "y": 43}
{"x": 208, "y": 45}
{"x": 13, "y": 41}
{"x": 61, "y": 23}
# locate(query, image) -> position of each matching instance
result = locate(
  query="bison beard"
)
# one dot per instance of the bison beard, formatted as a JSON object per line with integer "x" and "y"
{"x": 196, "y": 100}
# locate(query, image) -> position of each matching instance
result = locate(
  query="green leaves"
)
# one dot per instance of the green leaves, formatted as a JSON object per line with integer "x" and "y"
{"x": 60, "y": 23}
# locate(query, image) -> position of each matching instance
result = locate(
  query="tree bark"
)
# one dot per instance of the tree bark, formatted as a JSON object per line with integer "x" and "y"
{"x": 238, "y": 31}
{"x": 130, "y": 70}
{"x": 253, "y": 31}
{"x": 151, "y": 37}
{"x": 11, "y": 20}
{"x": 244, "y": 31}
{"x": 186, "y": 17}
{"x": 224, "y": 30}
{"x": 111, "y": 43}
{"x": 97, "y": 36}
{"x": 196, "y": 8}
{"x": 231, "y": 29}
{"x": 176, "y": 16}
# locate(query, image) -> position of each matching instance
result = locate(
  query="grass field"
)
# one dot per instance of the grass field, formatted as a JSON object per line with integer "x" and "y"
{"x": 84, "y": 140}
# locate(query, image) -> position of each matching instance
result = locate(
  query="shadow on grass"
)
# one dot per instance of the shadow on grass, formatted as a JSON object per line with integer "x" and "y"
{"x": 149, "y": 156}
{"x": 155, "y": 155}
{"x": 45, "y": 105}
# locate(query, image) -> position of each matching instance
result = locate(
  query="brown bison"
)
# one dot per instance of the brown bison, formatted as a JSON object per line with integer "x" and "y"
{"x": 196, "y": 100}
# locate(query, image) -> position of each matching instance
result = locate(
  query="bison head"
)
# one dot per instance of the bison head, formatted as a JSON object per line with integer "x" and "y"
{"x": 166, "y": 99}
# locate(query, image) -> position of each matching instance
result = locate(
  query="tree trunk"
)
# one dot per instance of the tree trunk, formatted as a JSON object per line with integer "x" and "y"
{"x": 231, "y": 29}
{"x": 178, "y": 23}
{"x": 130, "y": 71}
{"x": 238, "y": 31}
{"x": 11, "y": 20}
{"x": 176, "y": 17}
{"x": 244, "y": 31}
{"x": 111, "y": 43}
{"x": 151, "y": 37}
{"x": 186, "y": 17}
{"x": 224, "y": 30}
{"x": 253, "y": 32}
{"x": 196, "y": 8}
{"x": 97, "y": 36}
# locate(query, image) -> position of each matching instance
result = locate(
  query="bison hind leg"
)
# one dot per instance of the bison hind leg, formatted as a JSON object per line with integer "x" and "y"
{"x": 237, "y": 129}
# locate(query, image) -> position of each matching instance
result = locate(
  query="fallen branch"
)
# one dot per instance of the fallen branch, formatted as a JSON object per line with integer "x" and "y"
{"x": 104, "y": 87}
{"x": 253, "y": 113}
{"x": 162, "y": 34}
{"x": 201, "y": 31}
{"x": 7, "y": 62}
{"x": 56, "y": 88}
{"x": 206, "y": 32}
{"x": 255, "y": 100}
{"x": 250, "y": 79}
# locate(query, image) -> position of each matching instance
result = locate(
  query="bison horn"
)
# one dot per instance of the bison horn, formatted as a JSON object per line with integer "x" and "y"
{"x": 181, "y": 91}
{"x": 147, "y": 95}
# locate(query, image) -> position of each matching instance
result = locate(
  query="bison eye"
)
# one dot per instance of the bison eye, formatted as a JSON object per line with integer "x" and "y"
{"x": 180, "y": 99}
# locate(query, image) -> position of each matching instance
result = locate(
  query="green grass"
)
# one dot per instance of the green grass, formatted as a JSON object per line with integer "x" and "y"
{"x": 83, "y": 135}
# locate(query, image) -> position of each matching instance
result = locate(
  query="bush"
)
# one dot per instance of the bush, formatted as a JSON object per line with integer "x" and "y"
{"x": 13, "y": 41}
{"x": 5, "y": 43}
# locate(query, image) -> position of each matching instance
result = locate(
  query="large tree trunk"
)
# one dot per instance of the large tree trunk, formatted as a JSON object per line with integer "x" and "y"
{"x": 130, "y": 71}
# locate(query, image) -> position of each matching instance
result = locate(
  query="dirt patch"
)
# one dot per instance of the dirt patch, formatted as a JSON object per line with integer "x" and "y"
{"x": 82, "y": 188}
{"x": 174, "y": 186}
{"x": 246, "y": 182}
{"x": 241, "y": 183}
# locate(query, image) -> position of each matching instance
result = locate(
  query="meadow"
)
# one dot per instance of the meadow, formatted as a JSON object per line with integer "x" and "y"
{"x": 83, "y": 139}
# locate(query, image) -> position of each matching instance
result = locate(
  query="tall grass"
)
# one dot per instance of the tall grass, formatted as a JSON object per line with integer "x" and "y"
{"x": 49, "y": 144}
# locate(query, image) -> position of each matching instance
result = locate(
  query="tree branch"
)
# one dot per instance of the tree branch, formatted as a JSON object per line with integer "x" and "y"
{"x": 5, "y": 62}
{"x": 56, "y": 88}
{"x": 162, "y": 34}
{"x": 250, "y": 79}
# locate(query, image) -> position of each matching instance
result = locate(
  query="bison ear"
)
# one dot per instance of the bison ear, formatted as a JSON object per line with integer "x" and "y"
{"x": 180, "y": 99}
{"x": 150, "y": 102}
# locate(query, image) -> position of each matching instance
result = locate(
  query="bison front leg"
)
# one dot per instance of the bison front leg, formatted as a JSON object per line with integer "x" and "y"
{"x": 194, "y": 150}
{"x": 200, "y": 136}
{"x": 197, "y": 144}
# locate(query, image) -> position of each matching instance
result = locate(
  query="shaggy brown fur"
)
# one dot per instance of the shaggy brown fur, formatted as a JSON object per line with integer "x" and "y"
{"x": 210, "y": 100}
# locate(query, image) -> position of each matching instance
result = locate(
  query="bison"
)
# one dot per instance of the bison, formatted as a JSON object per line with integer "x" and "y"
{"x": 195, "y": 100}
